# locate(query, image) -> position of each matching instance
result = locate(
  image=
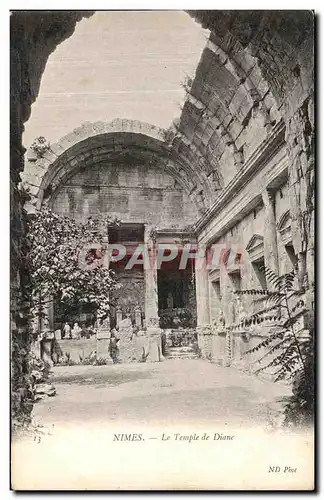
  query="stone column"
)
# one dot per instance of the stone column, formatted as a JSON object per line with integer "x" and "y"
{"x": 229, "y": 347}
{"x": 50, "y": 314}
{"x": 126, "y": 344}
{"x": 138, "y": 317}
{"x": 119, "y": 315}
{"x": 47, "y": 319}
{"x": 202, "y": 296}
{"x": 151, "y": 298}
{"x": 270, "y": 234}
{"x": 218, "y": 344}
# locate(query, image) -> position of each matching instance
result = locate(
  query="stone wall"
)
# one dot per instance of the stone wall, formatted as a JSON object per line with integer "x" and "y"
{"x": 34, "y": 35}
{"x": 131, "y": 192}
{"x": 75, "y": 351}
{"x": 131, "y": 294}
{"x": 269, "y": 56}
{"x": 255, "y": 223}
{"x": 239, "y": 237}
{"x": 120, "y": 142}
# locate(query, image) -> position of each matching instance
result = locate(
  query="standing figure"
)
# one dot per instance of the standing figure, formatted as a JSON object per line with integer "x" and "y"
{"x": 67, "y": 331}
{"x": 240, "y": 312}
{"x": 76, "y": 331}
{"x": 170, "y": 300}
{"x": 113, "y": 348}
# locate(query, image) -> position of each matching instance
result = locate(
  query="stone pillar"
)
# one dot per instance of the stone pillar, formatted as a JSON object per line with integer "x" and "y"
{"x": 47, "y": 318}
{"x": 150, "y": 278}
{"x": 270, "y": 234}
{"x": 102, "y": 340}
{"x": 46, "y": 350}
{"x": 50, "y": 314}
{"x": 138, "y": 317}
{"x": 218, "y": 345}
{"x": 119, "y": 315}
{"x": 229, "y": 347}
{"x": 127, "y": 342}
{"x": 202, "y": 297}
{"x": 218, "y": 340}
{"x": 151, "y": 298}
{"x": 240, "y": 342}
{"x": 300, "y": 134}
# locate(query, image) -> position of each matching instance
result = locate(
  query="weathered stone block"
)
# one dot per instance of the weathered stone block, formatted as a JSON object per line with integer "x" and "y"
{"x": 155, "y": 348}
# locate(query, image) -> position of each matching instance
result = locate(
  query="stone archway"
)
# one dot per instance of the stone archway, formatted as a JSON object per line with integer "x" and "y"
{"x": 100, "y": 141}
{"x": 281, "y": 43}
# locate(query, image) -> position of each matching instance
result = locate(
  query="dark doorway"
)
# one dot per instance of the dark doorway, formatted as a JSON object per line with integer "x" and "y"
{"x": 172, "y": 288}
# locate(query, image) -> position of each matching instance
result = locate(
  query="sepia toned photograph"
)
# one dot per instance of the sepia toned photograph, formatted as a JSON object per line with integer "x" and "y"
{"x": 162, "y": 247}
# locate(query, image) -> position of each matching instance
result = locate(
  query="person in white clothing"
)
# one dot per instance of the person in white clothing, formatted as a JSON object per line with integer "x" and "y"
{"x": 67, "y": 331}
{"x": 76, "y": 331}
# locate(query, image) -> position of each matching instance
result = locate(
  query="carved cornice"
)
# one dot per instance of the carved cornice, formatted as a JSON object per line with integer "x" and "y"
{"x": 284, "y": 221}
{"x": 284, "y": 227}
{"x": 214, "y": 274}
{"x": 255, "y": 247}
{"x": 175, "y": 235}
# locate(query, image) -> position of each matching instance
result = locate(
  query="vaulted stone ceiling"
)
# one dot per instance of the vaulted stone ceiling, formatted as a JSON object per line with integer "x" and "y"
{"x": 279, "y": 40}
{"x": 221, "y": 102}
{"x": 255, "y": 71}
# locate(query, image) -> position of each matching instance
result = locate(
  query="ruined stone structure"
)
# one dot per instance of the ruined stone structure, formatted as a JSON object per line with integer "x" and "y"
{"x": 238, "y": 164}
{"x": 126, "y": 170}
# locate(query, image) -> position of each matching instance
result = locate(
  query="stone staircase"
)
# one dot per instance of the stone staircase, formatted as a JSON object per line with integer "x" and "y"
{"x": 183, "y": 352}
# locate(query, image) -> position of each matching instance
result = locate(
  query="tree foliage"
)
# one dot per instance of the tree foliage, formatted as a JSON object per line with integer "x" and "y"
{"x": 287, "y": 353}
{"x": 65, "y": 261}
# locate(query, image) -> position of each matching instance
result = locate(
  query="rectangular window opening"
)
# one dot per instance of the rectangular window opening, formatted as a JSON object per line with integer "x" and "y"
{"x": 258, "y": 267}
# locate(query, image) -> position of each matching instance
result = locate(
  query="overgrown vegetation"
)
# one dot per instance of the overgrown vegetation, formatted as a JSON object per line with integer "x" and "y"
{"x": 40, "y": 145}
{"x": 91, "y": 359}
{"x": 64, "y": 261}
{"x": 187, "y": 84}
{"x": 52, "y": 267}
{"x": 33, "y": 386}
{"x": 287, "y": 353}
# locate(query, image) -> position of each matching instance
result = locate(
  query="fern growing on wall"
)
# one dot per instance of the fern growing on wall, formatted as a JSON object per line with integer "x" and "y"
{"x": 287, "y": 352}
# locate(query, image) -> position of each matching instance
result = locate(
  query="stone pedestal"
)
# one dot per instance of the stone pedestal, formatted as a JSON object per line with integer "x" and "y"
{"x": 102, "y": 336}
{"x": 142, "y": 346}
{"x": 58, "y": 334}
{"x": 46, "y": 350}
{"x": 126, "y": 346}
{"x": 127, "y": 343}
{"x": 155, "y": 347}
{"x": 239, "y": 360}
{"x": 204, "y": 341}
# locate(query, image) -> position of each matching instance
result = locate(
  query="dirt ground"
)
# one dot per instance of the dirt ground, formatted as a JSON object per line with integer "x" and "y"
{"x": 157, "y": 426}
{"x": 174, "y": 390}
